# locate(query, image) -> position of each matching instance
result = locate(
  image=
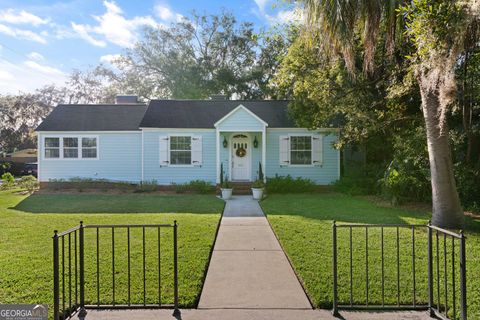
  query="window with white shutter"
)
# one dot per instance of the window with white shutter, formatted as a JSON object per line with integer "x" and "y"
{"x": 163, "y": 151}
{"x": 284, "y": 147}
{"x": 317, "y": 150}
{"x": 197, "y": 150}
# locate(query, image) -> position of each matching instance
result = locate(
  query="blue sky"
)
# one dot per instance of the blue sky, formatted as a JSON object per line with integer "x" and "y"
{"x": 42, "y": 41}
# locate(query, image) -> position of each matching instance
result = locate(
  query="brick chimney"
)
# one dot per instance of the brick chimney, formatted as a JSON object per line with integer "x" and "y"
{"x": 126, "y": 99}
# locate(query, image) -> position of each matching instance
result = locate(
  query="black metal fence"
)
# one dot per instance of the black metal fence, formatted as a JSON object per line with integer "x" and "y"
{"x": 77, "y": 251}
{"x": 395, "y": 267}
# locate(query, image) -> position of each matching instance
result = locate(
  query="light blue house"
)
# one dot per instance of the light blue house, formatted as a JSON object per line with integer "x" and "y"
{"x": 177, "y": 141}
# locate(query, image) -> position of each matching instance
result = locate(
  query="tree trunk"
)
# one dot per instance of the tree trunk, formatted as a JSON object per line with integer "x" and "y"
{"x": 446, "y": 209}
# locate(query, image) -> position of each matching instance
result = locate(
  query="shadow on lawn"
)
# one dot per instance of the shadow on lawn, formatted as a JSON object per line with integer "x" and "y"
{"x": 349, "y": 209}
{"x": 126, "y": 203}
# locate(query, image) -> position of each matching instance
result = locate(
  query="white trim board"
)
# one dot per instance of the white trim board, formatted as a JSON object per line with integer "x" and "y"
{"x": 87, "y": 132}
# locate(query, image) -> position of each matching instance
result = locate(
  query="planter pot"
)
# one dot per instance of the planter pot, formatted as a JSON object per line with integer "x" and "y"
{"x": 257, "y": 193}
{"x": 226, "y": 193}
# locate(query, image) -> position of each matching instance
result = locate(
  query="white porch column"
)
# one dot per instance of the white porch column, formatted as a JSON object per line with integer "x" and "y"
{"x": 264, "y": 153}
{"x": 217, "y": 149}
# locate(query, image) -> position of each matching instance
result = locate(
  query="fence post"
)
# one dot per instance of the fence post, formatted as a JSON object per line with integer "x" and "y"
{"x": 335, "y": 293}
{"x": 430, "y": 271}
{"x": 56, "y": 291}
{"x": 82, "y": 313}
{"x": 463, "y": 277}
{"x": 176, "y": 311}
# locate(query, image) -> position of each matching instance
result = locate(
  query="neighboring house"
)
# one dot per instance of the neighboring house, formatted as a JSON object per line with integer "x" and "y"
{"x": 177, "y": 141}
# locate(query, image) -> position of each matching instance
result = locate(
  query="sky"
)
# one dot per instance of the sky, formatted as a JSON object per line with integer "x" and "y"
{"x": 42, "y": 41}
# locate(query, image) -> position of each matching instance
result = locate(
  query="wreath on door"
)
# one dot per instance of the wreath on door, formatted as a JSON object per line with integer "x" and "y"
{"x": 241, "y": 152}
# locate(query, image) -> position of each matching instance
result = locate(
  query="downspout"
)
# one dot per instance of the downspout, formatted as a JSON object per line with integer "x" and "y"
{"x": 38, "y": 156}
{"x": 142, "y": 178}
{"x": 217, "y": 149}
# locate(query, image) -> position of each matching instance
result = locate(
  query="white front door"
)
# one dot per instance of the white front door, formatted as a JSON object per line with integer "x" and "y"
{"x": 241, "y": 155}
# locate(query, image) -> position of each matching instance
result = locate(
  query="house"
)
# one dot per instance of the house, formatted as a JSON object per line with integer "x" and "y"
{"x": 177, "y": 141}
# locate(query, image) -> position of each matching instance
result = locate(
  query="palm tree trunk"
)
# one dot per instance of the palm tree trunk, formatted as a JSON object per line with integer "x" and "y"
{"x": 446, "y": 209}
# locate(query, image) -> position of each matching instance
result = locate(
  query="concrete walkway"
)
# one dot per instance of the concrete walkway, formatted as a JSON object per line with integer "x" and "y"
{"x": 251, "y": 314}
{"x": 248, "y": 269}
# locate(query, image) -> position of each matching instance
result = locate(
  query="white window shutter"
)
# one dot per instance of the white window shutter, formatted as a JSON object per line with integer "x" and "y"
{"x": 317, "y": 150}
{"x": 164, "y": 151}
{"x": 197, "y": 150}
{"x": 284, "y": 146}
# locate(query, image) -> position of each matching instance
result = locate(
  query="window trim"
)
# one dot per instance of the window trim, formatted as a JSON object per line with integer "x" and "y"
{"x": 290, "y": 164}
{"x": 61, "y": 148}
{"x": 170, "y": 151}
{"x": 70, "y": 148}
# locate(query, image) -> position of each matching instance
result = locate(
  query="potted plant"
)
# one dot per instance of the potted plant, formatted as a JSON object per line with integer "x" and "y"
{"x": 257, "y": 189}
{"x": 258, "y": 185}
{"x": 226, "y": 188}
{"x": 225, "y": 185}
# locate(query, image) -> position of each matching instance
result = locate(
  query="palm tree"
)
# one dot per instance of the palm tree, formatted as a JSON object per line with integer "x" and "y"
{"x": 436, "y": 30}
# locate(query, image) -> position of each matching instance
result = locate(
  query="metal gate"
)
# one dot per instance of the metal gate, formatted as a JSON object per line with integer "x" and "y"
{"x": 74, "y": 295}
{"x": 399, "y": 267}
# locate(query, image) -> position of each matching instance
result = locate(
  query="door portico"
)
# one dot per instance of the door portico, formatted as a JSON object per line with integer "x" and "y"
{"x": 240, "y": 145}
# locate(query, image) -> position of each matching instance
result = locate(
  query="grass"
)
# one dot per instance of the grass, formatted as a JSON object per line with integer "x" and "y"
{"x": 27, "y": 224}
{"x": 303, "y": 223}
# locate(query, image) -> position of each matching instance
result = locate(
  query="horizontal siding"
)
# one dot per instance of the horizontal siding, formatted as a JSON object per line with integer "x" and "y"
{"x": 241, "y": 120}
{"x": 166, "y": 175}
{"x": 119, "y": 160}
{"x": 324, "y": 175}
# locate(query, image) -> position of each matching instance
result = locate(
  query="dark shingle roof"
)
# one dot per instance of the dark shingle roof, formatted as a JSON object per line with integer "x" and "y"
{"x": 115, "y": 117}
{"x": 205, "y": 113}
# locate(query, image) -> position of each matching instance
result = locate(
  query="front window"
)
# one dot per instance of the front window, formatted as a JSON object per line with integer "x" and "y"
{"x": 181, "y": 150}
{"x": 70, "y": 148}
{"x": 89, "y": 147}
{"x": 52, "y": 148}
{"x": 301, "y": 150}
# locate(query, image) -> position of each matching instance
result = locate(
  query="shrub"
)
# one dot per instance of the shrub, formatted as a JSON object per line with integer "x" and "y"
{"x": 201, "y": 186}
{"x": 147, "y": 186}
{"x": 362, "y": 182}
{"x": 8, "y": 180}
{"x": 29, "y": 183}
{"x": 287, "y": 184}
{"x": 181, "y": 187}
{"x": 468, "y": 184}
{"x": 400, "y": 184}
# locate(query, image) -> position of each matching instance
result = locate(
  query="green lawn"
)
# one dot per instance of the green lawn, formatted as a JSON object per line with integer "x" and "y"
{"x": 27, "y": 224}
{"x": 303, "y": 224}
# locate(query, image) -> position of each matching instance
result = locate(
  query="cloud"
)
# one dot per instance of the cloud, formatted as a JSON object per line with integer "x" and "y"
{"x": 262, "y": 4}
{"x": 286, "y": 16}
{"x": 35, "y": 56}
{"x": 109, "y": 58}
{"x": 23, "y": 34}
{"x": 6, "y": 76}
{"x": 21, "y": 17}
{"x": 113, "y": 27}
{"x": 83, "y": 32}
{"x": 163, "y": 12}
{"x": 292, "y": 13}
{"x": 27, "y": 77}
{"x": 44, "y": 69}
